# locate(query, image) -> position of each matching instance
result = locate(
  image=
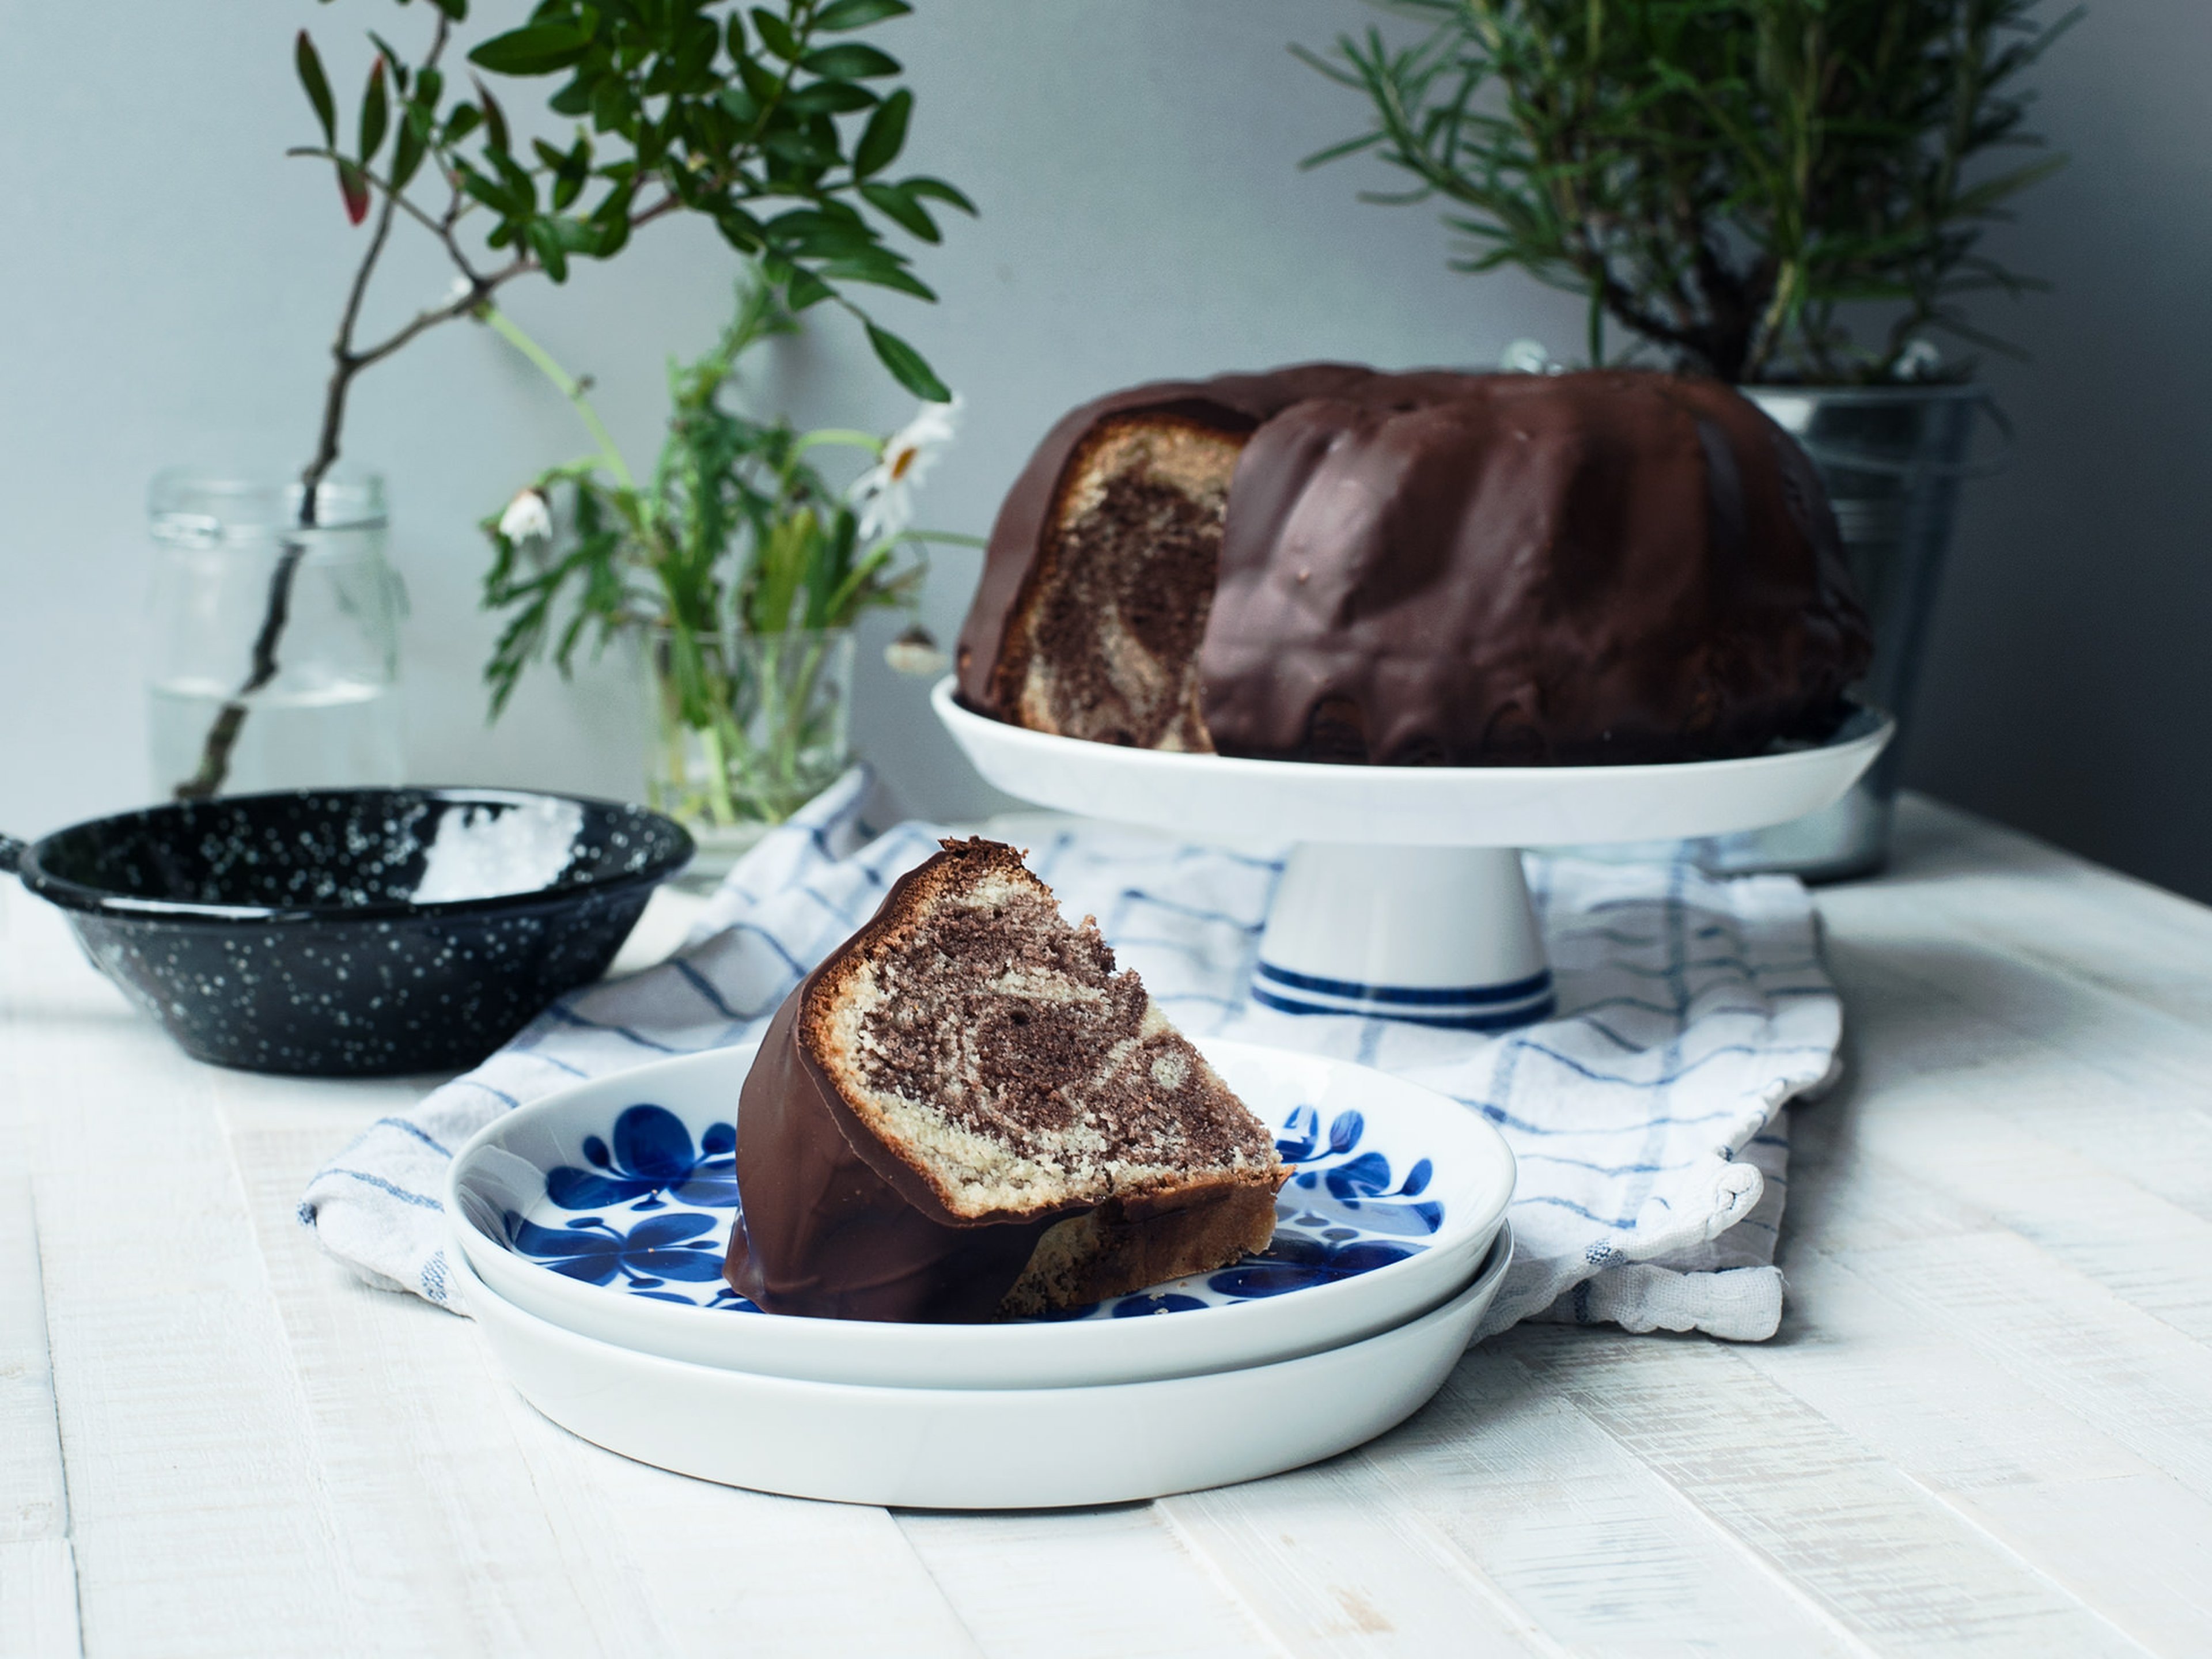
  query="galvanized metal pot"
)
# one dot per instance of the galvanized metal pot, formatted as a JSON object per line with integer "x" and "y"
{"x": 1892, "y": 458}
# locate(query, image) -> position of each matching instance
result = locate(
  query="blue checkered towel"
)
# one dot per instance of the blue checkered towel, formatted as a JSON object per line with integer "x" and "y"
{"x": 1648, "y": 1117}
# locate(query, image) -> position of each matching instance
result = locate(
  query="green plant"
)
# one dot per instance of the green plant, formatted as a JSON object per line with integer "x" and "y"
{"x": 774, "y": 122}
{"x": 1735, "y": 182}
{"x": 735, "y": 538}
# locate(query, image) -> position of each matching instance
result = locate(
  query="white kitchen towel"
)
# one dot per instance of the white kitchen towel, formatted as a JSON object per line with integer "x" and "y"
{"x": 1648, "y": 1116}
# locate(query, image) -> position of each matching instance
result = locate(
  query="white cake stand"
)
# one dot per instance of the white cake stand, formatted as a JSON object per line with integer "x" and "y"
{"x": 1403, "y": 896}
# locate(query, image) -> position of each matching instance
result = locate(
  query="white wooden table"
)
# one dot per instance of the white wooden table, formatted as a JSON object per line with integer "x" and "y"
{"x": 1985, "y": 1426}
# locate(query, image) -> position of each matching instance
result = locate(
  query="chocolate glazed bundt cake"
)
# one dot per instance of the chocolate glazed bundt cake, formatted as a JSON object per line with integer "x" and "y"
{"x": 1432, "y": 569}
{"x": 965, "y": 1112}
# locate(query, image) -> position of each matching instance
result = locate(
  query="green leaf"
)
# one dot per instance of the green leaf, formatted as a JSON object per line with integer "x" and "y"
{"x": 393, "y": 61}
{"x": 885, "y": 272}
{"x": 535, "y": 49}
{"x": 743, "y": 108}
{"x": 375, "y": 113}
{"x": 495, "y": 121}
{"x": 820, "y": 235}
{"x": 492, "y": 193}
{"x": 776, "y": 35}
{"x": 801, "y": 149}
{"x": 567, "y": 186}
{"x": 461, "y": 123}
{"x": 842, "y": 14}
{"x": 849, "y": 60}
{"x": 546, "y": 245}
{"x": 413, "y": 140}
{"x": 899, "y": 205}
{"x": 907, "y": 367}
{"x": 739, "y": 230}
{"x": 936, "y": 190}
{"x": 884, "y": 135}
{"x": 310, "y": 66}
{"x": 760, "y": 80}
{"x": 829, "y": 97}
{"x": 805, "y": 289}
{"x": 614, "y": 107}
{"x": 456, "y": 11}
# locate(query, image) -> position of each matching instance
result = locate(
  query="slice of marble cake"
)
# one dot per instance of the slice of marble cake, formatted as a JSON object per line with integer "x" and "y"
{"x": 966, "y": 1113}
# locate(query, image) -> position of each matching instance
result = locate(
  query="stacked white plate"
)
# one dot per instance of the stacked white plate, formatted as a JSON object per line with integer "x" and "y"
{"x": 591, "y": 1227}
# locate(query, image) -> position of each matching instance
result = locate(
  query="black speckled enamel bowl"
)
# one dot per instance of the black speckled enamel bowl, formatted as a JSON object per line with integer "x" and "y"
{"x": 354, "y": 932}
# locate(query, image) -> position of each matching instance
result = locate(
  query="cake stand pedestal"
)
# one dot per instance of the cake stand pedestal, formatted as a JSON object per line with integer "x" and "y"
{"x": 1403, "y": 896}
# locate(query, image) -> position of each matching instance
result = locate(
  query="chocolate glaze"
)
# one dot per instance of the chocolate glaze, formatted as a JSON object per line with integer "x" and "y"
{"x": 854, "y": 1233}
{"x": 1459, "y": 569}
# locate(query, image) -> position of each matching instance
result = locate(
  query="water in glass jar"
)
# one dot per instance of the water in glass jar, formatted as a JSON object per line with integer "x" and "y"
{"x": 338, "y": 733}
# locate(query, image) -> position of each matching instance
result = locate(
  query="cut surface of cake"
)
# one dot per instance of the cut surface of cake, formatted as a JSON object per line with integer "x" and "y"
{"x": 1330, "y": 563}
{"x": 968, "y": 1112}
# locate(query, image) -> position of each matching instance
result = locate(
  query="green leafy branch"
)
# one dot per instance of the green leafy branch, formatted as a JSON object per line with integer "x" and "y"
{"x": 679, "y": 106}
{"x": 735, "y": 532}
{"x": 1720, "y": 177}
{"x": 736, "y": 549}
{"x": 773, "y": 123}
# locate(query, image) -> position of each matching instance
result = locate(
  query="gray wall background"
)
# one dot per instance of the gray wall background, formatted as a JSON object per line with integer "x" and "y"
{"x": 168, "y": 282}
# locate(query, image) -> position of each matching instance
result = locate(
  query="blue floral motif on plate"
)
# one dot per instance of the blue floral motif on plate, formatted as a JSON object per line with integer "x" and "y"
{"x": 649, "y": 1213}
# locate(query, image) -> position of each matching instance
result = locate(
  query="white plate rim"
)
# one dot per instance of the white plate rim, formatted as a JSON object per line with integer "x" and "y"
{"x": 981, "y": 1342}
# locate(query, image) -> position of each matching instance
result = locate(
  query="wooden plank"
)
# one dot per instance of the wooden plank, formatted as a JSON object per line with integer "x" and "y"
{"x": 2125, "y": 1538}
{"x": 1079, "y": 1584}
{"x": 744, "y": 1573}
{"x": 1333, "y": 1568}
{"x": 1585, "y": 1540}
{"x": 2154, "y": 1255}
{"x": 1954, "y": 1123}
{"x": 34, "y": 1498}
{"x": 491, "y": 1530}
{"x": 38, "y": 1600}
{"x": 2140, "y": 1380}
{"x": 196, "y": 1518}
{"x": 1899, "y": 1569}
{"x": 2039, "y": 901}
{"x": 2126, "y": 1038}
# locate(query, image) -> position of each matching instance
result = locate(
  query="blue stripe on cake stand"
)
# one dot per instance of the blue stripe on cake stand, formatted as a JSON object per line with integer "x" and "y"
{"x": 1460, "y": 1007}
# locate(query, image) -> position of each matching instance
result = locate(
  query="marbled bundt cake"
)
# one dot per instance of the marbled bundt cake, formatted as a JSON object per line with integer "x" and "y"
{"x": 1431, "y": 568}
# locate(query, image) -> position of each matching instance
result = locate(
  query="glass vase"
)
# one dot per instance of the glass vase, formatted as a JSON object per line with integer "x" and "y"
{"x": 748, "y": 730}
{"x": 274, "y": 648}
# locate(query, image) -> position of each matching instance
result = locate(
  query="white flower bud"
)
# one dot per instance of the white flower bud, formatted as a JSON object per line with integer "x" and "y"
{"x": 917, "y": 652}
{"x": 529, "y": 517}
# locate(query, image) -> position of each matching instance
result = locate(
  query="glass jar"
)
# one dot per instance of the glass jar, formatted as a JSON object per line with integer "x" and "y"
{"x": 747, "y": 731}
{"x": 275, "y": 646}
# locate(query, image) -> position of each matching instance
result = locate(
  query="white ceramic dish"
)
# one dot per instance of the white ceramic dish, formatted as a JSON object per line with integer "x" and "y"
{"x": 1399, "y": 1194}
{"x": 1224, "y": 798}
{"x": 1402, "y": 897}
{"x": 982, "y": 1449}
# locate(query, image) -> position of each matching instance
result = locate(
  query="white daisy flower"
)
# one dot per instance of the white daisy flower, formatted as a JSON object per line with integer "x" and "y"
{"x": 529, "y": 517}
{"x": 884, "y": 494}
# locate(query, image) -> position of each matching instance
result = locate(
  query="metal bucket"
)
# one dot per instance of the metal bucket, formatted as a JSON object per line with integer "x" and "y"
{"x": 1892, "y": 458}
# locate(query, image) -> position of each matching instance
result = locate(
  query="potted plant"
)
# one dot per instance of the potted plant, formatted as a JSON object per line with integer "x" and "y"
{"x": 775, "y": 124}
{"x": 1788, "y": 195}
{"x": 735, "y": 566}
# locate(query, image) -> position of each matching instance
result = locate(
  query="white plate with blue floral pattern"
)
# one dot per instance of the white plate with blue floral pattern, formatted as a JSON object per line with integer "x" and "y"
{"x": 974, "y": 1449}
{"x": 607, "y": 1208}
